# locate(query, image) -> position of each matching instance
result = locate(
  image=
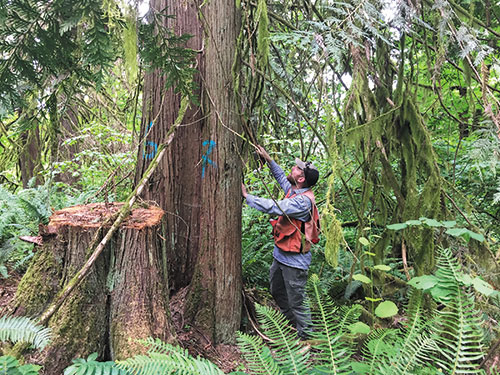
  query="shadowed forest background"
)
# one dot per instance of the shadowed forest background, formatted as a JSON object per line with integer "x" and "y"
{"x": 127, "y": 128}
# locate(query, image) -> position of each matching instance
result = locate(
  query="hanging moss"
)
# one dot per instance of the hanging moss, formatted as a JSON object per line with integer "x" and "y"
{"x": 331, "y": 227}
{"x": 420, "y": 166}
{"x": 130, "y": 48}
{"x": 386, "y": 136}
{"x": 262, "y": 35}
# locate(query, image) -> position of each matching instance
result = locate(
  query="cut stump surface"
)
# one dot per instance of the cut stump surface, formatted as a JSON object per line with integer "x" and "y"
{"x": 93, "y": 215}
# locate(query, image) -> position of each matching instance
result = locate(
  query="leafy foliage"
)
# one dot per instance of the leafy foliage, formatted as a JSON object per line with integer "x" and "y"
{"x": 90, "y": 366}
{"x": 162, "y": 49}
{"x": 11, "y": 366}
{"x": 22, "y": 329}
{"x": 459, "y": 325}
{"x": 20, "y": 215}
{"x": 330, "y": 327}
{"x": 258, "y": 357}
{"x": 256, "y": 252}
{"x": 166, "y": 358}
{"x": 449, "y": 337}
{"x": 39, "y": 45}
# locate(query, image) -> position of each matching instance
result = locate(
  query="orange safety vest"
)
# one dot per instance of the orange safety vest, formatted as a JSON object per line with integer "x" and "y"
{"x": 293, "y": 235}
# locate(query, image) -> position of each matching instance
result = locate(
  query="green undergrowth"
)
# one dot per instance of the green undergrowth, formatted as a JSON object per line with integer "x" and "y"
{"x": 446, "y": 336}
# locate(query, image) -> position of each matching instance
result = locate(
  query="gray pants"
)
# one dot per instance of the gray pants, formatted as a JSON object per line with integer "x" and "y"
{"x": 288, "y": 290}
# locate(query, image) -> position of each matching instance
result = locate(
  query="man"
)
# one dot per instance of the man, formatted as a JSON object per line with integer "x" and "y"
{"x": 295, "y": 229}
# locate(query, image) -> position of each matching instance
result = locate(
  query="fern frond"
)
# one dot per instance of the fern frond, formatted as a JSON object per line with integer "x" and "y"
{"x": 22, "y": 329}
{"x": 458, "y": 327}
{"x": 11, "y": 366}
{"x": 348, "y": 315}
{"x": 92, "y": 367}
{"x": 381, "y": 345}
{"x": 258, "y": 356}
{"x": 164, "y": 358}
{"x": 287, "y": 350}
{"x": 334, "y": 356}
{"x": 417, "y": 344}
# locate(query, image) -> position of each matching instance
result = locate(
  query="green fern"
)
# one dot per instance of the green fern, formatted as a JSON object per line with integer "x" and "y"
{"x": 334, "y": 352}
{"x": 11, "y": 366}
{"x": 258, "y": 357}
{"x": 417, "y": 345}
{"x": 458, "y": 323}
{"x": 90, "y": 366}
{"x": 163, "y": 358}
{"x": 22, "y": 329}
{"x": 381, "y": 345}
{"x": 285, "y": 346}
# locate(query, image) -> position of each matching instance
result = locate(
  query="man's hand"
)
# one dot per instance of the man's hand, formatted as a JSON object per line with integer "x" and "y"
{"x": 244, "y": 191}
{"x": 263, "y": 153}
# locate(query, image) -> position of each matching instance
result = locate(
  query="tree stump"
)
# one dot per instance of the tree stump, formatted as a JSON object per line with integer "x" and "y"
{"x": 123, "y": 298}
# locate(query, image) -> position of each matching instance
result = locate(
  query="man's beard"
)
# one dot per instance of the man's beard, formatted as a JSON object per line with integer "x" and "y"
{"x": 291, "y": 180}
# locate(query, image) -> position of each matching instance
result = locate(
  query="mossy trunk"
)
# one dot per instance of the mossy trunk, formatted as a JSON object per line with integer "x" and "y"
{"x": 124, "y": 296}
{"x": 139, "y": 300}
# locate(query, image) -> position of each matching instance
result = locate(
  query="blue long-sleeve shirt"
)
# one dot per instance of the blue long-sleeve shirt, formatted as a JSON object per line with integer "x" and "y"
{"x": 298, "y": 207}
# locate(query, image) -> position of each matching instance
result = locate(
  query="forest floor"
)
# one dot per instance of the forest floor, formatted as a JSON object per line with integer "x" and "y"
{"x": 7, "y": 292}
{"x": 226, "y": 357}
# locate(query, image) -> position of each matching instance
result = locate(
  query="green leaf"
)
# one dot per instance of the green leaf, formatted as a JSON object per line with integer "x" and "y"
{"x": 465, "y": 279}
{"x": 84, "y": 369}
{"x": 382, "y": 267}
{"x": 364, "y": 241}
{"x": 423, "y": 282}
{"x": 397, "y": 226}
{"x": 439, "y": 293}
{"x": 413, "y": 222}
{"x": 360, "y": 368}
{"x": 29, "y": 369}
{"x": 449, "y": 224}
{"x": 359, "y": 327}
{"x": 373, "y": 299}
{"x": 432, "y": 223}
{"x": 362, "y": 278}
{"x": 386, "y": 309}
{"x": 369, "y": 253}
{"x": 3, "y": 271}
{"x": 477, "y": 236}
{"x": 482, "y": 287}
{"x": 456, "y": 232}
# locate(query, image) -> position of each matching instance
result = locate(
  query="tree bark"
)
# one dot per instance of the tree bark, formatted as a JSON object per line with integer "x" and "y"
{"x": 125, "y": 295}
{"x": 173, "y": 185}
{"x": 29, "y": 157}
{"x": 214, "y": 299}
{"x": 69, "y": 120}
{"x": 198, "y": 183}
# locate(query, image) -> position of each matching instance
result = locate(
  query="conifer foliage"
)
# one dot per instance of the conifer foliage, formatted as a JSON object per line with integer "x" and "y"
{"x": 45, "y": 42}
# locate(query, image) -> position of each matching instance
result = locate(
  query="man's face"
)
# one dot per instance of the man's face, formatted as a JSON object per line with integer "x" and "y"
{"x": 296, "y": 176}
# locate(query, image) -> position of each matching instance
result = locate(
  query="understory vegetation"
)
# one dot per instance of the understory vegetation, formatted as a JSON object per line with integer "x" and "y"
{"x": 442, "y": 334}
{"x": 396, "y": 102}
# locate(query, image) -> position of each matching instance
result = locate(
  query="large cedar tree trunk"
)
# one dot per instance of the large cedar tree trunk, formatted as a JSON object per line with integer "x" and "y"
{"x": 198, "y": 183}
